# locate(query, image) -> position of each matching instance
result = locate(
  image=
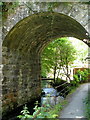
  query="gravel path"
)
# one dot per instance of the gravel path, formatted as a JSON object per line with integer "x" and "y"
{"x": 75, "y": 108}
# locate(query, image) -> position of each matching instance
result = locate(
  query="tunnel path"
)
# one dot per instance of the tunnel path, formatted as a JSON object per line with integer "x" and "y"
{"x": 76, "y": 106}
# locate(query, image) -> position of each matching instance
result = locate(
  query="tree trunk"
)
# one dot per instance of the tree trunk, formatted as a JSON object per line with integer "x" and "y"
{"x": 67, "y": 72}
{"x": 58, "y": 72}
{"x": 55, "y": 72}
{"x": 67, "y": 75}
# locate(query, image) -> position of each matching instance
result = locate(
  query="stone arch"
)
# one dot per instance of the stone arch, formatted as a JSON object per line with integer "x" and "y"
{"x": 21, "y": 53}
{"x": 46, "y": 25}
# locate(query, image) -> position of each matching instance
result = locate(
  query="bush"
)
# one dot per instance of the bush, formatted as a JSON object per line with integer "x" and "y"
{"x": 76, "y": 81}
{"x": 40, "y": 112}
{"x": 84, "y": 75}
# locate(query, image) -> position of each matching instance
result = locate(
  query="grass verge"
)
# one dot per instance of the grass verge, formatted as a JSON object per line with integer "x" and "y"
{"x": 58, "y": 108}
{"x": 87, "y": 108}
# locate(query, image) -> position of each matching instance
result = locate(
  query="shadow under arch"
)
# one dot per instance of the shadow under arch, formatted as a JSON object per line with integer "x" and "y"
{"x": 36, "y": 30}
{"x": 24, "y": 42}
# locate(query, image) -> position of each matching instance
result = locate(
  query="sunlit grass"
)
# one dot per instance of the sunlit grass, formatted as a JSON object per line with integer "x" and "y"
{"x": 58, "y": 108}
{"x": 87, "y": 108}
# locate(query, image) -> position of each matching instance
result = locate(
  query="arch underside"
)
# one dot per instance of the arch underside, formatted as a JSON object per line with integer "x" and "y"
{"x": 34, "y": 32}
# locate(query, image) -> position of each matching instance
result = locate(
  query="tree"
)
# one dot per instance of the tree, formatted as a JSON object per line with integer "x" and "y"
{"x": 57, "y": 56}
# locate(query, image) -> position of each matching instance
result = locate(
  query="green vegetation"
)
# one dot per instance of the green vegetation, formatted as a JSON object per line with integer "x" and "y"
{"x": 40, "y": 112}
{"x": 59, "y": 55}
{"x": 80, "y": 77}
{"x": 87, "y": 108}
{"x": 84, "y": 74}
{"x": 8, "y": 8}
{"x": 46, "y": 111}
{"x": 57, "y": 108}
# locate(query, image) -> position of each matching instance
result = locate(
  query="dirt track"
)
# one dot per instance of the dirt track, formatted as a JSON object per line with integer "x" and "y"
{"x": 76, "y": 106}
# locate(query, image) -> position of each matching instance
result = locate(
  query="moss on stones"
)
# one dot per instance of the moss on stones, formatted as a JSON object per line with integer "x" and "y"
{"x": 35, "y": 29}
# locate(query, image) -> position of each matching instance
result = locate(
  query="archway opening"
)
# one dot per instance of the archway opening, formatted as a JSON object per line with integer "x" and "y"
{"x": 59, "y": 59}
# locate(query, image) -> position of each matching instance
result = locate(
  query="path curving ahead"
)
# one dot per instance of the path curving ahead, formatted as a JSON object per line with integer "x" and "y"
{"x": 76, "y": 106}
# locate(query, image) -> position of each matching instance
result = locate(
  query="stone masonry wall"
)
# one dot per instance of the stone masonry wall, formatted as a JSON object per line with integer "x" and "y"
{"x": 21, "y": 76}
{"x": 77, "y": 11}
{"x": 19, "y": 85}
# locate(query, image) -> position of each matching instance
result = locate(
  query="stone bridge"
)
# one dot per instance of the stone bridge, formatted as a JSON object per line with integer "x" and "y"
{"x": 22, "y": 48}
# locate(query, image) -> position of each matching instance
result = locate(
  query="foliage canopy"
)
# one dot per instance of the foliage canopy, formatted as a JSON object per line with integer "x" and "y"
{"x": 59, "y": 54}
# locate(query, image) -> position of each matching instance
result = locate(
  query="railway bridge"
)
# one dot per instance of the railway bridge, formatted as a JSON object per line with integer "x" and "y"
{"x": 22, "y": 49}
